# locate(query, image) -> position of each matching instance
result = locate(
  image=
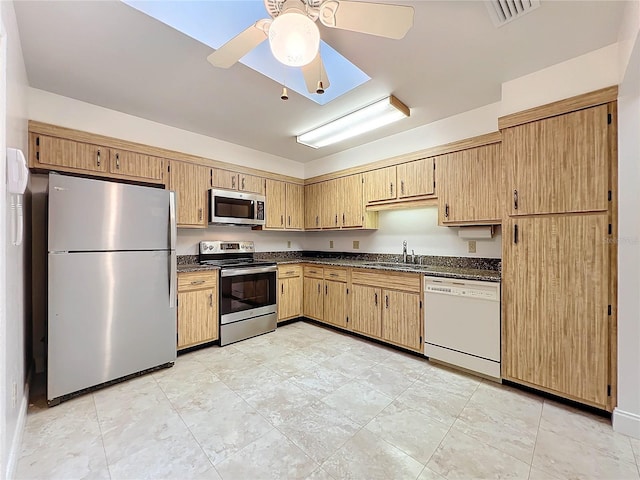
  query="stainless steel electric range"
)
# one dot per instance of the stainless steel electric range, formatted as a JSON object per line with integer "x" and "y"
{"x": 247, "y": 290}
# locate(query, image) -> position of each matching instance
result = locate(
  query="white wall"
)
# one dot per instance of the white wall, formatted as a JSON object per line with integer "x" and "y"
{"x": 67, "y": 112}
{"x": 464, "y": 125}
{"x": 626, "y": 417}
{"x": 419, "y": 227}
{"x": 271, "y": 241}
{"x": 14, "y": 308}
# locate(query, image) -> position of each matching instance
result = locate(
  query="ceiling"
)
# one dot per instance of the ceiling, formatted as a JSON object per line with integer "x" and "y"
{"x": 453, "y": 59}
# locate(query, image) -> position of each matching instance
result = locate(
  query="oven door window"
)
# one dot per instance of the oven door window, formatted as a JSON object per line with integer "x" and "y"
{"x": 245, "y": 292}
{"x": 233, "y": 208}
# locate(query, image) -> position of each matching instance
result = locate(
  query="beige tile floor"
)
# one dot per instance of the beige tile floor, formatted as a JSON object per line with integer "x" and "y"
{"x": 311, "y": 403}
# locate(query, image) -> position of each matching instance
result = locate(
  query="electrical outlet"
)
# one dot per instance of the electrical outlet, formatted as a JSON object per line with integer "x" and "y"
{"x": 472, "y": 246}
{"x": 288, "y": 243}
{"x": 356, "y": 244}
{"x": 330, "y": 243}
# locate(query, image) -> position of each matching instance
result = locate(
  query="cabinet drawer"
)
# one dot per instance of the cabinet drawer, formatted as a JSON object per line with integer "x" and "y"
{"x": 289, "y": 271}
{"x": 197, "y": 280}
{"x": 313, "y": 271}
{"x": 336, "y": 274}
{"x": 408, "y": 282}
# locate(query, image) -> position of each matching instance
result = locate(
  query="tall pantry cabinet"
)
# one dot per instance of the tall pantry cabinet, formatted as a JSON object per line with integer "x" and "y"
{"x": 558, "y": 253}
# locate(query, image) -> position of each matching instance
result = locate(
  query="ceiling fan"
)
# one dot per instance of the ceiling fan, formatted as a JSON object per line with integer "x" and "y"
{"x": 294, "y": 37}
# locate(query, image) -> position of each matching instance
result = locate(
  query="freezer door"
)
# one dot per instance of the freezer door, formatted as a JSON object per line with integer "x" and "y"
{"x": 110, "y": 315}
{"x": 95, "y": 215}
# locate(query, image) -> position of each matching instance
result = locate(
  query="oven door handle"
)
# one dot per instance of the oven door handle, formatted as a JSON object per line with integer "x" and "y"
{"x": 234, "y": 272}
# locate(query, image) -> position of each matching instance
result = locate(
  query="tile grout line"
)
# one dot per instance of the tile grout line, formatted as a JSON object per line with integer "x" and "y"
{"x": 104, "y": 449}
{"x": 535, "y": 444}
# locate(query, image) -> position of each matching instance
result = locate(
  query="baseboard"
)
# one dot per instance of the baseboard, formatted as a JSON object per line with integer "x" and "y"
{"x": 626, "y": 422}
{"x": 16, "y": 444}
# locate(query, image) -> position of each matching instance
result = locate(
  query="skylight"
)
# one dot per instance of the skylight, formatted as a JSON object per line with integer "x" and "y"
{"x": 215, "y": 23}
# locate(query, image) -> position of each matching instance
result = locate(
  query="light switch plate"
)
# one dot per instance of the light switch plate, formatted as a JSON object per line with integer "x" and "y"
{"x": 472, "y": 246}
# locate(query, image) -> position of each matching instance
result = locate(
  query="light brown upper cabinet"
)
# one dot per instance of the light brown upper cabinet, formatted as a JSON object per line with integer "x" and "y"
{"x": 134, "y": 164}
{"x": 555, "y": 297}
{"x": 228, "y": 180}
{"x": 350, "y": 191}
{"x": 285, "y": 205}
{"x": 558, "y": 164}
{"x": 416, "y": 178}
{"x": 380, "y": 184}
{"x": 190, "y": 182}
{"x": 313, "y": 206}
{"x": 67, "y": 155}
{"x": 469, "y": 186}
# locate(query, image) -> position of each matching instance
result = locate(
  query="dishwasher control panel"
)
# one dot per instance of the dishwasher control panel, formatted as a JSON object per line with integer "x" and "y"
{"x": 479, "y": 292}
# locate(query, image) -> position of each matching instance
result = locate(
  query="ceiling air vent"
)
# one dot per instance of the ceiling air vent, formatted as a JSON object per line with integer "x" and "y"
{"x": 505, "y": 11}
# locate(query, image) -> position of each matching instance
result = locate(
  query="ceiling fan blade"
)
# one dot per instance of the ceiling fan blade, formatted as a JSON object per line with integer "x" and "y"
{"x": 314, "y": 72}
{"x": 391, "y": 21}
{"x": 240, "y": 45}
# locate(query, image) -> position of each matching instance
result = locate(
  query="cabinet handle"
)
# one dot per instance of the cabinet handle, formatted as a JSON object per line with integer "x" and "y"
{"x": 316, "y": 220}
{"x": 211, "y": 299}
{"x": 281, "y": 219}
{"x": 326, "y": 290}
{"x": 391, "y": 187}
{"x": 282, "y": 288}
{"x": 343, "y": 222}
{"x": 446, "y": 210}
{"x": 333, "y": 274}
{"x": 118, "y": 161}
{"x": 200, "y": 214}
{"x": 515, "y": 234}
{"x": 515, "y": 199}
{"x": 375, "y": 299}
{"x": 242, "y": 186}
{"x": 98, "y": 157}
{"x": 233, "y": 182}
{"x": 386, "y": 300}
{"x": 197, "y": 282}
{"x": 290, "y": 272}
{"x": 336, "y": 219}
{"x": 402, "y": 187}
{"x": 318, "y": 288}
{"x": 289, "y": 218}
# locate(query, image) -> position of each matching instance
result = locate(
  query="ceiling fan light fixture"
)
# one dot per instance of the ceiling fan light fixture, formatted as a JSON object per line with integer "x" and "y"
{"x": 294, "y": 38}
{"x": 371, "y": 117}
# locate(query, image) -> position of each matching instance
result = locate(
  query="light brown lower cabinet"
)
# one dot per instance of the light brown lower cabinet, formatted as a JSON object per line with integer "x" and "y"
{"x": 366, "y": 314}
{"x": 197, "y": 308}
{"x": 402, "y": 319}
{"x": 313, "y": 302}
{"x": 335, "y": 302}
{"x": 290, "y": 292}
{"x": 555, "y": 297}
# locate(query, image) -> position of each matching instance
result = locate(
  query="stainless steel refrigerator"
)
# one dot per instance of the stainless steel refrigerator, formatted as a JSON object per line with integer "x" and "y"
{"x": 111, "y": 282}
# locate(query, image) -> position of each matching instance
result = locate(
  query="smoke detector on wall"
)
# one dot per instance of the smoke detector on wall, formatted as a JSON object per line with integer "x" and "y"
{"x": 505, "y": 11}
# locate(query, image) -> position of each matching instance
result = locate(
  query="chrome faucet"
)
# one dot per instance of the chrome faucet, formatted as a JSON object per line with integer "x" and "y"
{"x": 404, "y": 251}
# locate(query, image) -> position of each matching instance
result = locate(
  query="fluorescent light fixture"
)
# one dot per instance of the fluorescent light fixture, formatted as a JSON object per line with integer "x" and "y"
{"x": 376, "y": 115}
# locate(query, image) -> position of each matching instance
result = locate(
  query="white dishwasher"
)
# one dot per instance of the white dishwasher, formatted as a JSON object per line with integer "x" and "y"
{"x": 462, "y": 323}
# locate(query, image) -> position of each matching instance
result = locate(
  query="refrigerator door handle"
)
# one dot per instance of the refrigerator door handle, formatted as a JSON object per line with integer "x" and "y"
{"x": 173, "y": 279}
{"x": 172, "y": 220}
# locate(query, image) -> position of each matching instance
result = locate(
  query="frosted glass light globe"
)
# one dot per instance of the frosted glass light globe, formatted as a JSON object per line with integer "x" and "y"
{"x": 294, "y": 39}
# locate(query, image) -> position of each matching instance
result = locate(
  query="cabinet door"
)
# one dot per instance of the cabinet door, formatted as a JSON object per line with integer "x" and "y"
{"x": 251, "y": 183}
{"x": 294, "y": 195}
{"x": 366, "y": 310}
{"x": 189, "y": 181}
{"x": 329, "y": 199}
{"x": 380, "y": 184}
{"x": 313, "y": 298}
{"x": 351, "y": 190}
{"x": 69, "y": 154}
{"x": 416, "y": 178}
{"x": 335, "y": 303}
{"x": 555, "y": 293}
{"x": 290, "y": 298}
{"x": 224, "y": 179}
{"x": 197, "y": 317}
{"x": 275, "y": 207}
{"x": 312, "y": 206}
{"x": 136, "y": 165}
{"x": 469, "y": 183}
{"x": 401, "y": 318}
{"x": 558, "y": 164}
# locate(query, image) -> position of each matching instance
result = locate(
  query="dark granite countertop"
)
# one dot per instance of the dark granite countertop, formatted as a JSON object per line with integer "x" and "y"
{"x": 481, "y": 269}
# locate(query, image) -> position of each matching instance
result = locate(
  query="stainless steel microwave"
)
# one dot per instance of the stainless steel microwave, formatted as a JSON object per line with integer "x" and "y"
{"x": 235, "y": 208}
